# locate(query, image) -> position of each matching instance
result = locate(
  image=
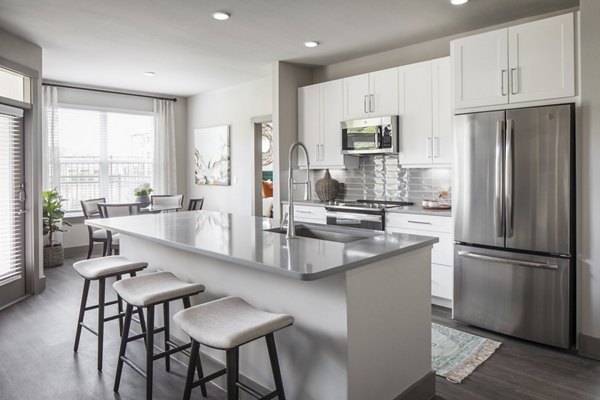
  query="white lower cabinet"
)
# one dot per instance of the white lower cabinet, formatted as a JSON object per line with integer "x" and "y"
{"x": 303, "y": 212}
{"x": 442, "y": 254}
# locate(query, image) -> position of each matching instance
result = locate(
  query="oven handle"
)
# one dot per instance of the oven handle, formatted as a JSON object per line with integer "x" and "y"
{"x": 357, "y": 217}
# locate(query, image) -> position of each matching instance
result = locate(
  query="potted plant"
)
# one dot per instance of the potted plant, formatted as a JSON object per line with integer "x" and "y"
{"x": 53, "y": 221}
{"x": 142, "y": 194}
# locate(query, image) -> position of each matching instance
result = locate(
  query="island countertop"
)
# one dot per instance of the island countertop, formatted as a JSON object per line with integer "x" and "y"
{"x": 243, "y": 240}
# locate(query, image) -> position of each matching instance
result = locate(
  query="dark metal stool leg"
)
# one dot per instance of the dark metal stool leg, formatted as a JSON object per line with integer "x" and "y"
{"x": 189, "y": 380}
{"x": 123, "y": 348}
{"x": 275, "y": 366}
{"x": 104, "y": 248}
{"x": 232, "y": 364}
{"x": 187, "y": 304}
{"x": 149, "y": 351}
{"x": 101, "y": 298}
{"x": 120, "y": 308}
{"x": 167, "y": 334}
{"x": 84, "y": 296}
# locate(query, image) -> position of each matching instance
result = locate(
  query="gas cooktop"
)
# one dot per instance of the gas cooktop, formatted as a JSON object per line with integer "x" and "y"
{"x": 377, "y": 205}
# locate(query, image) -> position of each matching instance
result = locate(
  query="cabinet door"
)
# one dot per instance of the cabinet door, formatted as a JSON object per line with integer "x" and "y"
{"x": 415, "y": 144}
{"x": 332, "y": 114}
{"x": 309, "y": 129}
{"x": 356, "y": 97}
{"x": 480, "y": 69}
{"x": 442, "y": 110}
{"x": 383, "y": 88}
{"x": 542, "y": 59}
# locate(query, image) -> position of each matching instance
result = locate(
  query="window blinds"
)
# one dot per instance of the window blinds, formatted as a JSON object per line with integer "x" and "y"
{"x": 11, "y": 179}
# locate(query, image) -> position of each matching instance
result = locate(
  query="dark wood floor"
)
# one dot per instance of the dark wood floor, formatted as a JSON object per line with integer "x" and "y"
{"x": 37, "y": 360}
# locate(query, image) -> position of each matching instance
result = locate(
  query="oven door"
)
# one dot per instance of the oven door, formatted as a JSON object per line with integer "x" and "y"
{"x": 355, "y": 220}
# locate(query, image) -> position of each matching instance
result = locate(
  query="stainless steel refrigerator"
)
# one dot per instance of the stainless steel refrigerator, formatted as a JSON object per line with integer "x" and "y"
{"x": 514, "y": 229}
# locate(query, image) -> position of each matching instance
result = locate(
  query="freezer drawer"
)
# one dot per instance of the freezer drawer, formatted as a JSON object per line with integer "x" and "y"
{"x": 519, "y": 295}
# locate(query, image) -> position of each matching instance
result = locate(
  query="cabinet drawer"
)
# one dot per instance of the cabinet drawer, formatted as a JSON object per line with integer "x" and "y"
{"x": 419, "y": 222}
{"x": 442, "y": 281}
{"x": 314, "y": 214}
{"x": 442, "y": 252}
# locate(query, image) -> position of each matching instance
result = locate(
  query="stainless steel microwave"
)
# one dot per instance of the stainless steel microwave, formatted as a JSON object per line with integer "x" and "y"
{"x": 370, "y": 136}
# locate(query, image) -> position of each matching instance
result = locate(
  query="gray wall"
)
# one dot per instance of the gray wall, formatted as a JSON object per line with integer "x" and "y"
{"x": 234, "y": 106}
{"x": 28, "y": 55}
{"x": 287, "y": 78}
{"x": 590, "y": 164}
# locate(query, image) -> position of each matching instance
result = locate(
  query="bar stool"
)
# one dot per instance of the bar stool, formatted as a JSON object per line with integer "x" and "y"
{"x": 148, "y": 291}
{"x": 226, "y": 324}
{"x": 100, "y": 269}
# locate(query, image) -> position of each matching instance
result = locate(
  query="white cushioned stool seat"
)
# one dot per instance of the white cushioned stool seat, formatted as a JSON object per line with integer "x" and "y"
{"x": 96, "y": 268}
{"x": 154, "y": 288}
{"x": 229, "y": 322}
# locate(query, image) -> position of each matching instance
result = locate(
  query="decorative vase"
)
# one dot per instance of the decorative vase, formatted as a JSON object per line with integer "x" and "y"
{"x": 327, "y": 188}
{"x": 143, "y": 200}
{"x": 53, "y": 256}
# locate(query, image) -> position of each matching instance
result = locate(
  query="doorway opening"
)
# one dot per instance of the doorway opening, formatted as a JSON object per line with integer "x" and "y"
{"x": 264, "y": 184}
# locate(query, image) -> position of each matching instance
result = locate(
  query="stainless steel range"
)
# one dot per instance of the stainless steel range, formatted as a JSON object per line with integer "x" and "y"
{"x": 365, "y": 214}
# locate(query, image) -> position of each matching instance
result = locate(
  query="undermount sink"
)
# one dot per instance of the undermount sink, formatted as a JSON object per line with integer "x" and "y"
{"x": 321, "y": 234}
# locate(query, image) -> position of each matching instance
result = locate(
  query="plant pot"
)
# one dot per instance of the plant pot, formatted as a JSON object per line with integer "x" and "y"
{"x": 53, "y": 256}
{"x": 143, "y": 200}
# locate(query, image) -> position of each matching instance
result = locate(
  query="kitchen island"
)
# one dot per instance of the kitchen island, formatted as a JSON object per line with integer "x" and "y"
{"x": 361, "y": 299}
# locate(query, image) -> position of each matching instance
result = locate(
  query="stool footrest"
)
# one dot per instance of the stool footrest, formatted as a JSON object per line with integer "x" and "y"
{"x": 119, "y": 315}
{"x": 142, "y": 335}
{"x": 133, "y": 366}
{"x": 108, "y": 303}
{"x": 89, "y": 328}
{"x": 256, "y": 394}
{"x": 210, "y": 377}
{"x": 170, "y": 351}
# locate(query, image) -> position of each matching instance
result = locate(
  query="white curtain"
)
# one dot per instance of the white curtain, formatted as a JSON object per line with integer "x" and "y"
{"x": 164, "y": 166}
{"x": 51, "y": 153}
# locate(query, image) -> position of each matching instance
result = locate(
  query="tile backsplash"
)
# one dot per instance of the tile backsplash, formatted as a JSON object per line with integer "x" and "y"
{"x": 381, "y": 177}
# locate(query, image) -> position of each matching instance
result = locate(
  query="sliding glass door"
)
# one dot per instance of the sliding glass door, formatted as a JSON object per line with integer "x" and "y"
{"x": 12, "y": 198}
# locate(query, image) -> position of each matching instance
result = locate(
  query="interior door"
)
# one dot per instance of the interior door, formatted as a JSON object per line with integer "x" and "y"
{"x": 12, "y": 271}
{"x": 538, "y": 184}
{"x": 478, "y": 167}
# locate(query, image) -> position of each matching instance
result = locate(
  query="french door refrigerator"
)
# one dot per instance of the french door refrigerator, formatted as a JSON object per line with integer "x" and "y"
{"x": 514, "y": 228}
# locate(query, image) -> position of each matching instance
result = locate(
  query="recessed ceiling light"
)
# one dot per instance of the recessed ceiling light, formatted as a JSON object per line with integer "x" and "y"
{"x": 311, "y": 44}
{"x": 458, "y": 2}
{"x": 221, "y": 15}
{"x": 150, "y": 73}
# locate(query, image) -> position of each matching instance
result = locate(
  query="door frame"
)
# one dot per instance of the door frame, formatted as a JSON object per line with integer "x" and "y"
{"x": 256, "y": 196}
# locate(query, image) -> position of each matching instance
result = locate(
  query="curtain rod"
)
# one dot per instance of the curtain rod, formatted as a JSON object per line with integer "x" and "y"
{"x": 108, "y": 91}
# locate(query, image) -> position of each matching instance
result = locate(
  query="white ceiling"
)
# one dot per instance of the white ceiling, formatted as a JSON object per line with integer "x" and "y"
{"x": 112, "y": 43}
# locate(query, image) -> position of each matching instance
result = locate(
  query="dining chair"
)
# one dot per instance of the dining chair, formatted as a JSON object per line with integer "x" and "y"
{"x": 167, "y": 200}
{"x": 196, "y": 204}
{"x": 112, "y": 210}
{"x": 95, "y": 235}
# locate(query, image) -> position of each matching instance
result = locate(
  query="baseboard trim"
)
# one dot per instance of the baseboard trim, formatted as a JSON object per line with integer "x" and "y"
{"x": 423, "y": 389}
{"x": 589, "y": 346}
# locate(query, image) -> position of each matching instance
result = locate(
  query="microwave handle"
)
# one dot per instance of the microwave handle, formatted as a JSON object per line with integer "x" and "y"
{"x": 379, "y": 139}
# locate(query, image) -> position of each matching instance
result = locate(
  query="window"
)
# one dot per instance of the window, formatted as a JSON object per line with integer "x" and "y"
{"x": 102, "y": 154}
{"x": 15, "y": 86}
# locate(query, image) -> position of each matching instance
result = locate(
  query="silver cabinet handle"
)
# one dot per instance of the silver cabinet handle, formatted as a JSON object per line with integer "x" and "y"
{"x": 498, "y": 222}
{"x": 322, "y": 153}
{"x": 506, "y": 260}
{"x": 513, "y": 80}
{"x": 508, "y": 178}
{"x": 436, "y": 147}
{"x": 371, "y": 103}
{"x": 428, "y": 147}
{"x": 355, "y": 217}
{"x": 503, "y": 73}
{"x": 303, "y": 212}
{"x": 420, "y": 222}
{"x": 365, "y": 104}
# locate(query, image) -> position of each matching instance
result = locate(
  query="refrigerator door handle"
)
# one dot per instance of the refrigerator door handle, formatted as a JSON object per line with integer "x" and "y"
{"x": 506, "y": 260}
{"x": 508, "y": 177}
{"x": 498, "y": 222}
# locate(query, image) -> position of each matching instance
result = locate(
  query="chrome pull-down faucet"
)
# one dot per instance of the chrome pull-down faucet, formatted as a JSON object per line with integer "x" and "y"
{"x": 291, "y": 229}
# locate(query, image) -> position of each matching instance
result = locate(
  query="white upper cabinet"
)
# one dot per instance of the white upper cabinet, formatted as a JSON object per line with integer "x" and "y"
{"x": 480, "y": 65}
{"x": 529, "y": 62}
{"x": 425, "y": 111}
{"x": 320, "y": 113}
{"x": 542, "y": 59}
{"x": 415, "y": 145}
{"x": 370, "y": 95}
{"x": 383, "y": 87}
{"x": 441, "y": 88}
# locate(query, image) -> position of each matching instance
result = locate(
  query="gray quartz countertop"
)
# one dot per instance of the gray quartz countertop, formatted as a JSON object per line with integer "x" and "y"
{"x": 242, "y": 240}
